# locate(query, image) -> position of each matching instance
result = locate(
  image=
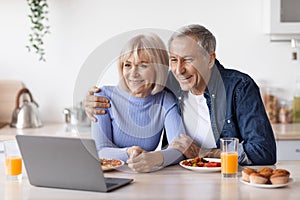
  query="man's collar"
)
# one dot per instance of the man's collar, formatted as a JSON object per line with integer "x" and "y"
{"x": 215, "y": 79}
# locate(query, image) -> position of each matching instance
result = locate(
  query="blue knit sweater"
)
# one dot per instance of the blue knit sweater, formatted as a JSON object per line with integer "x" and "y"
{"x": 132, "y": 121}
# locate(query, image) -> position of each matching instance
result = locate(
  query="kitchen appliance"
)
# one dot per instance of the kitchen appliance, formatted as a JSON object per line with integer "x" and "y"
{"x": 76, "y": 118}
{"x": 26, "y": 113}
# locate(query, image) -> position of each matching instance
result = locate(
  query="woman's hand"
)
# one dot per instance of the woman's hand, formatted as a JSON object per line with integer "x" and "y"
{"x": 145, "y": 161}
{"x": 92, "y": 102}
{"x": 134, "y": 151}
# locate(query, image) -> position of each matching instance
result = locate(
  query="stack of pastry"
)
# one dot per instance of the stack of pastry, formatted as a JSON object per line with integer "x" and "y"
{"x": 265, "y": 175}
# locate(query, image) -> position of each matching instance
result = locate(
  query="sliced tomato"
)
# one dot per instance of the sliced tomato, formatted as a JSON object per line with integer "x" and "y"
{"x": 211, "y": 164}
{"x": 200, "y": 164}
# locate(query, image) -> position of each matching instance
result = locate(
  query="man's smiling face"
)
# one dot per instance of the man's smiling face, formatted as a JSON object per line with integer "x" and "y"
{"x": 189, "y": 65}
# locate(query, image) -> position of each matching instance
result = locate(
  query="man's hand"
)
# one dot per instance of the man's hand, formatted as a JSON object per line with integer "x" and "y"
{"x": 190, "y": 149}
{"x": 145, "y": 161}
{"x": 92, "y": 102}
{"x": 186, "y": 145}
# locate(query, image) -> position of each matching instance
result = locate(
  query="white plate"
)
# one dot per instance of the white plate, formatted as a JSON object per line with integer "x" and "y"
{"x": 203, "y": 169}
{"x": 107, "y": 168}
{"x": 291, "y": 180}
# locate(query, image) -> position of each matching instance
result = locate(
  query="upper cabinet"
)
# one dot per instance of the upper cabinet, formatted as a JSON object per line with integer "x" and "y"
{"x": 282, "y": 19}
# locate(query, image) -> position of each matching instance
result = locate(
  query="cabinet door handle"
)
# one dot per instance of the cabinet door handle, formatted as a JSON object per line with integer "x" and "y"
{"x": 297, "y": 150}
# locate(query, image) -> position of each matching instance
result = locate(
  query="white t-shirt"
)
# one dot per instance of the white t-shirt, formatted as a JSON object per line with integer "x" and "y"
{"x": 196, "y": 120}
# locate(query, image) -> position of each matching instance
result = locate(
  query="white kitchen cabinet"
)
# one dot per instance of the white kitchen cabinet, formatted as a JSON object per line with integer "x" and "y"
{"x": 288, "y": 149}
{"x": 288, "y": 141}
{"x": 282, "y": 19}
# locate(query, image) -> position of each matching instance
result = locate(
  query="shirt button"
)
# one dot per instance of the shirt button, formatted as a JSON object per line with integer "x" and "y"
{"x": 228, "y": 121}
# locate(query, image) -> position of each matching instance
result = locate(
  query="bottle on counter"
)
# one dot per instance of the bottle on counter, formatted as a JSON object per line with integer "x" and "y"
{"x": 296, "y": 103}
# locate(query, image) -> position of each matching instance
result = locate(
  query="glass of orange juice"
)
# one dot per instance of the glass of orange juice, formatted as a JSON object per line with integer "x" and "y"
{"x": 229, "y": 156}
{"x": 13, "y": 160}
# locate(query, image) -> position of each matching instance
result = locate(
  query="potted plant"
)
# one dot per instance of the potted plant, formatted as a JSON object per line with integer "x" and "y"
{"x": 39, "y": 26}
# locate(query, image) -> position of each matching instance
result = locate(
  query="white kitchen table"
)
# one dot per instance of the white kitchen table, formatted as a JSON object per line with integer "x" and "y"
{"x": 173, "y": 182}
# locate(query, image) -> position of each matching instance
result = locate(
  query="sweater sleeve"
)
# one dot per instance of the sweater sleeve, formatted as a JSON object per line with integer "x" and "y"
{"x": 103, "y": 135}
{"x": 171, "y": 156}
{"x": 104, "y": 145}
{"x": 174, "y": 127}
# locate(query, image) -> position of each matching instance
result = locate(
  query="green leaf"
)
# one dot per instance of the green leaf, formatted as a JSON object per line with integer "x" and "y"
{"x": 39, "y": 27}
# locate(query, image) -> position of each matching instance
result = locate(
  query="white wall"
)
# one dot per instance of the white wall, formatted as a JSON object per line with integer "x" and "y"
{"x": 79, "y": 27}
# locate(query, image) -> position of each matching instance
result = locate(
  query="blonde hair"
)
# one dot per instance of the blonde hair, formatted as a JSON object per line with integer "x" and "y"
{"x": 154, "y": 49}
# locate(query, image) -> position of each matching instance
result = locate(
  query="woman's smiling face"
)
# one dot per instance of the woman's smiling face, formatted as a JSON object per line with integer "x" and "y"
{"x": 139, "y": 74}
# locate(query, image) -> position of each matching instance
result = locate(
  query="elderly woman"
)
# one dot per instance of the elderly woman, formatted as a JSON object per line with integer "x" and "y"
{"x": 141, "y": 108}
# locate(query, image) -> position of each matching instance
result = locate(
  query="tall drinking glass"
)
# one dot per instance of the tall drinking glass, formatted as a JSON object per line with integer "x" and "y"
{"x": 13, "y": 160}
{"x": 229, "y": 157}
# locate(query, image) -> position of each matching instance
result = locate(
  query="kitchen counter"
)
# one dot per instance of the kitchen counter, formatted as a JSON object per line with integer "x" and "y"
{"x": 50, "y": 129}
{"x": 286, "y": 131}
{"x": 173, "y": 182}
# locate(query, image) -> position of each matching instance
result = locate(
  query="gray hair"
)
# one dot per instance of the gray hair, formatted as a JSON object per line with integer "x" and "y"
{"x": 204, "y": 37}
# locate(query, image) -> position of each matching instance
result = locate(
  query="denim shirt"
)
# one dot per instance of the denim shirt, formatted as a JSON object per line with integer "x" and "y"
{"x": 237, "y": 110}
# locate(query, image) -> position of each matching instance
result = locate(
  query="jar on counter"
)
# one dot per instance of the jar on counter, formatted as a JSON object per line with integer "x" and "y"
{"x": 296, "y": 103}
{"x": 285, "y": 114}
{"x": 271, "y": 104}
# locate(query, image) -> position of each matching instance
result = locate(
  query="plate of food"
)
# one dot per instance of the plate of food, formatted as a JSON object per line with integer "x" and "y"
{"x": 268, "y": 185}
{"x": 266, "y": 177}
{"x": 110, "y": 164}
{"x": 202, "y": 164}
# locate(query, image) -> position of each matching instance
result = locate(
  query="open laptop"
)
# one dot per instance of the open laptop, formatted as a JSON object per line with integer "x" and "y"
{"x": 69, "y": 163}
